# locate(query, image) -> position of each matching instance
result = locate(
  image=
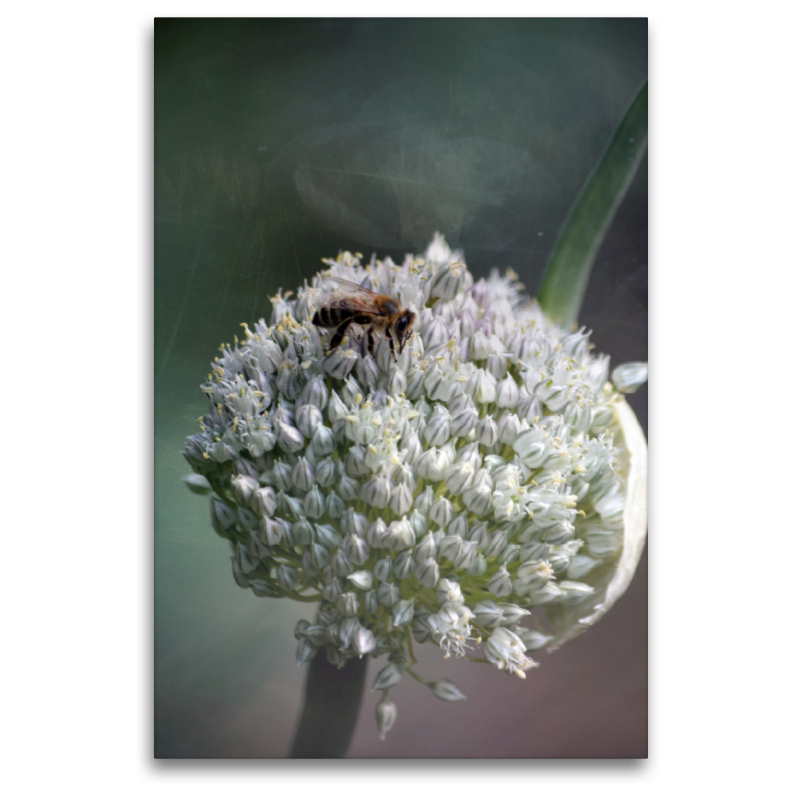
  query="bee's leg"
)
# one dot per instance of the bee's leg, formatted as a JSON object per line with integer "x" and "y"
{"x": 370, "y": 342}
{"x": 338, "y": 336}
{"x": 391, "y": 344}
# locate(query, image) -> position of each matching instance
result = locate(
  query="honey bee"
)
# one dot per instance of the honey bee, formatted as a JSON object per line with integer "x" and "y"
{"x": 367, "y": 308}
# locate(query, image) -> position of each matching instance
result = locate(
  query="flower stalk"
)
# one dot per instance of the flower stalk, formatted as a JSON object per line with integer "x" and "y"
{"x": 567, "y": 272}
{"x": 331, "y": 703}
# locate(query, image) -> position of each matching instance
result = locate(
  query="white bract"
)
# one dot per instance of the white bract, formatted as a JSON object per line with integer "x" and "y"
{"x": 493, "y": 460}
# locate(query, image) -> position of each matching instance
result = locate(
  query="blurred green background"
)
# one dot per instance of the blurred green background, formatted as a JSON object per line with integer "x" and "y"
{"x": 280, "y": 142}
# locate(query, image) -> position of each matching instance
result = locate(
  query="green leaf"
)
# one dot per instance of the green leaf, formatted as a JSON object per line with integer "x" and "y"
{"x": 567, "y": 271}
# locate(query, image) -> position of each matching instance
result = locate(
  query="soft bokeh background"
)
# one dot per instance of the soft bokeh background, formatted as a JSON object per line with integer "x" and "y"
{"x": 280, "y": 142}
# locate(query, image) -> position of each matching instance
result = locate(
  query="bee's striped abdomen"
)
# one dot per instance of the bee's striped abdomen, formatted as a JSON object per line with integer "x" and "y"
{"x": 330, "y": 317}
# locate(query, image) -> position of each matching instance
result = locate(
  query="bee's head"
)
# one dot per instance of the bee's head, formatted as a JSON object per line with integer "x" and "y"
{"x": 403, "y": 326}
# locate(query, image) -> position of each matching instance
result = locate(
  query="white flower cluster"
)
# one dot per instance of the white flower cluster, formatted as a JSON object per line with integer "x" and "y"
{"x": 440, "y": 497}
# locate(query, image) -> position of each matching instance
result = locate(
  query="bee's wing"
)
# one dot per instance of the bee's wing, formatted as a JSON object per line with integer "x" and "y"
{"x": 356, "y": 287}
{"x": 356, "y": 305}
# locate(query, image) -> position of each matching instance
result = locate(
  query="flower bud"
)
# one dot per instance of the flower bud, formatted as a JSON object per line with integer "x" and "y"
{"x": 264, "y": 502}
{"x": 497, "y": 544}
{"x": 322, "y": 441}
{"x": 449, "y": 280}
{"x": 287, "y": 577}
{"x": 314, "y": 503}
{"x": 458, "y": 477}
{"x": 424, "y": 500}
{"x": 303, "y": 474}
{"x": 346, "y": 630}
{"x": 238, "y": 574}
{"x": 341, "y": 565}
{"x": 446, "y": 690}
{"x": 431, "y": 464}
{"x": 281, "y": 476}
{"x": 437, "y": 431}
{"x": 500, "y": 583}
{"x": 388, "y": 594}
{"x": 356, "y": 549}
{"x": 376, "y": 492}
{"x": 371, "y": 602}
{"x": 332, "y": 590}
{"x": 336, "y": 408}
{"x": 581, "y": 565}
{"x": 243, "y": 487}
{"x": 426, "y": 549}
{"x": 399, "y": 535}
{"x": 463, "y": 423}
{"x": 397, "y": 382}
{"x": 400, "y": 499}
{"x": 508, "y": 428}
{"x": 403, "y": 566}
{"x": 198, "y": 484}
{"x": 315, "y": 393}
{"x": 243, "y": 559}
{"x": 488, "y": 614}
{"x": 450, "y": 547}
{"x": 421, "y": 629}
{"x": 223, "y": 516}
{"x": 307, "y": 418}
{"x": 367, "y": 371}
{"x": 355, "y": 464}
{"x": 386, "y": 715}
{"x": 574, "y": 592}
{"x": 480, "y": 535}
{"x": 389, "y": 676}
{"x": 627, "y": 378}
{"x": 375, "y": 533}
{"x": 482, "y": 387}
{"x": 347, "y": 603}
{"x": 427, "y": 573}
{"x": 546, "y": 594}
{"x": 303, "y": 532}
{"x": 319, "y": 556}
{"x": 441, "y": 512}
{"x": 349, "y": 489}
{"x": 533, "y": 640}
{"x": 534, "y": 551}
{"x": 478, "y": 498}
{"x": 247, "y": 519}
{"x": 507, "y": 393}
{"x": 305, "y": 652}
{"x": 402, "y": 612}
{"x": 486, "y": 432}
{"x": 363, "y": 641}
{"x": 478, "y": 566}
{"x": 335, "y": 507}
{"x": 361, "y": 580}
{"x": 326, "y": 472}
{"x": 464, "y": 558}
{"x": 290, "y": 440}
{"x": 270, "y": 531}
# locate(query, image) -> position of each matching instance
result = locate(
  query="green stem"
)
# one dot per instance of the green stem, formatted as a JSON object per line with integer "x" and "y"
{"x": 567, "y": 271}
{"x": 330, "y": 710}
